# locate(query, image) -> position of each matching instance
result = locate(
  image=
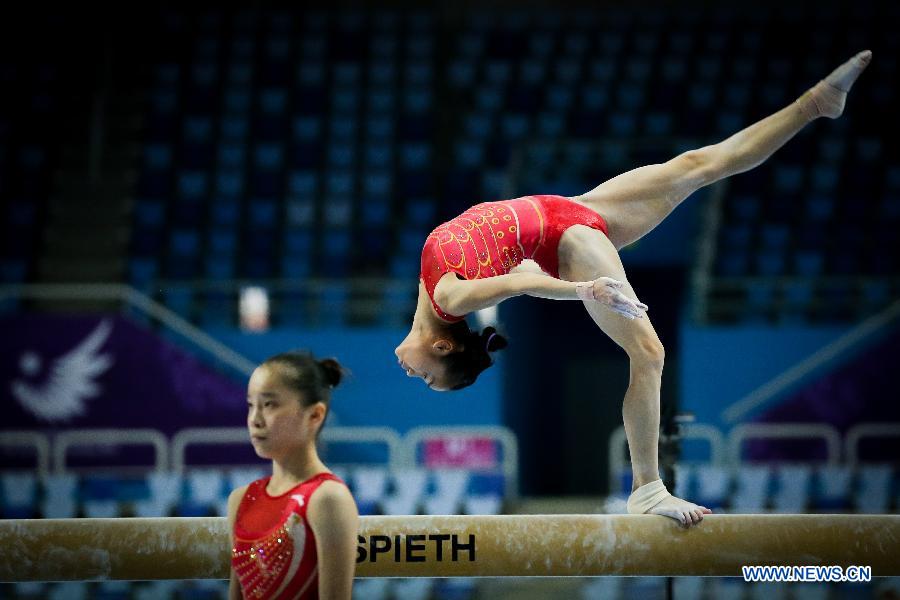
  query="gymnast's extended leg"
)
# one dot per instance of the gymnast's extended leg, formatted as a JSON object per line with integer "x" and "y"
{"x": 635, "y": 202}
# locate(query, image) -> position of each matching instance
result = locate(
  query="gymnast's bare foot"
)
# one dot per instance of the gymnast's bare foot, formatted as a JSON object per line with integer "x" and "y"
{"x": 686, "y": 513}
{"x": 827, "y": 98}
{"x": 654, "y": 499}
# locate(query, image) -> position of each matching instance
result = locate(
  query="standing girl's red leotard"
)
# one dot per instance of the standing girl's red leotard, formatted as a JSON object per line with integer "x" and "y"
{"x": 274, "y": 554}
{"x": 491, "y": 238}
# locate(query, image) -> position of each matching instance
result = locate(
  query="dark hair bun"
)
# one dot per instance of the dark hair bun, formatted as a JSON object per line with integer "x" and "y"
{"x": 332, "y": 370}
{"x": 493, "y": 341}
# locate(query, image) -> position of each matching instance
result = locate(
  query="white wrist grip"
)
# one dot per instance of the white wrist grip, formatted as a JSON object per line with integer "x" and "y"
{"x": 585, "y": 290}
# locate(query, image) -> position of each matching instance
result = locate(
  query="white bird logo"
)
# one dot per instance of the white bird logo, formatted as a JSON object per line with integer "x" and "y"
{"x": 71, "y": 382}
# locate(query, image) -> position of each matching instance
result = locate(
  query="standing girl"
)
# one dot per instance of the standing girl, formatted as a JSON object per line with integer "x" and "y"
{"x": 294, "y": 532}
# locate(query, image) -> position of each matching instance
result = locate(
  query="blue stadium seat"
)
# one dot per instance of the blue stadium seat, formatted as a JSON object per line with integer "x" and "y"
{"x": 418, "y": 73}
{"x": 478, "y": 125}
{"x": 234, "y": 128}
{"x": 180, "y": 300}
{"x": 550, "y": 124}
{"x": 222, "y": 242}
{"x": 770, "y": 263}
{"x": 258, "y": 265}
{"x": 13, "y": 270}
{"x": 204, "y": 74}
{"x": 302, "y": 183}
{"x": 333, "y": 305}
{"x": 298, "y": 242}
{"x": 820, "y": 207}
{"x": 532, "y": 72}
{"x": 378, "y": 155}
{"x": 339, "y": 183}
{"x": 240, "y": 74}
{"x": 497, "y": 72}
{"x": 337, "y": 211}
{"x": 824, "y": 178}
{"x": 308, "y": 127}
{"x": 737, "y": 236}
{"x": 167, "y": 75}
{"x": 296, "y": 266}
{"x": 184, "y": 243}
{"x": 336, "y": 243}
{"x": 382, "y": 72}
{"x": 142, "y": 271}
{"x": 379, "y": 127}
{"x": 808, "y": 263}
{"x": 405, "y": 265}
{"x": 375, "y": 212}
{"x": 237, "y": 101}
{"x": 760, "y": 296}
{"x": 300, "y": 212}
{"x": 381, "y": 100}
{"x": 198, "y": 129}
{"x": 623, "y": 123}
{"x": 746, "y": 208}
{"x": 377, "y": 184}
{"x": 219, "y": 268}
{"x": 461, "y": 73}
{"x": 490, "y": 99}
{"x": 309, "y": 73}
{"x": 193, "y": 185}
{"x": 658, "y": 123}
{"x": 149, "y": 214}
{"x": 788, "y": 178}
{"x": 263, "y": 214}
{"x": 559, "y": 98}
{"x": 163, "y": 102}
{"x": 273, "y": 101}
{"x": 225, "y": 212}
{"x": 410, "y": 241}
{"x": 232, "y": 155}
{"x": 342, "y": 155}
{"x": 415, "y": 155}
{"x": 421, "y": 212}
{"x": 229, "y": 184}
{"x": 345, "y": 102}
{"x": 268, "y": 156}
{"x": 469, "y": 153}
{"x": 774, "y": 236}
{"x": 157, "y": 156}
{"x": 514, "y": 126}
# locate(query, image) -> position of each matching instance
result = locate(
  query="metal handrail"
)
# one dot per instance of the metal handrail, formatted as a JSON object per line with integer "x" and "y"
{"x": 110, "y": 437}
{"x": 239, "y": 435}
{"x": 505, "y": 436}
{"x": 872, "y": 326}
{"x": 132, "y": 297}
{"x": 37, "y": 440}
{"x": 866, "y": 430}
{"x": 619, "y": 442}
{"x": 746, "y": 431}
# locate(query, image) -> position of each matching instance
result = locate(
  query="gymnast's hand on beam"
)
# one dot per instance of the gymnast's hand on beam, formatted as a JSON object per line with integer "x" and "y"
{"x": 608, "y": 291}
{"x": 686, "y": 513}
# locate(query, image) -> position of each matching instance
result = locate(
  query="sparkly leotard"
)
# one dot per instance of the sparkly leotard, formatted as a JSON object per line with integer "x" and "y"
{"x": 274, "y": 553}
{"x": 491, "y": 238}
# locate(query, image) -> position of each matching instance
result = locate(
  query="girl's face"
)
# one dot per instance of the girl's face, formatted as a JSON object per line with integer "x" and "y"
{"x": 276, "y": 419}
{"x": 424, "y": 360}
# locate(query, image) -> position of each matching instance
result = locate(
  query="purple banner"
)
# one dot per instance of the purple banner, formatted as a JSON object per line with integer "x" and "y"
{"x": 860, "y": 390}
{"x": 66, "y": 372}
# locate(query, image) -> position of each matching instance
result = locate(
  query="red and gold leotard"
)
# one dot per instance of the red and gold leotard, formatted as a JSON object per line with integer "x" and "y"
{"x": 274, "y": 554}
{"x": 491, "y": 238}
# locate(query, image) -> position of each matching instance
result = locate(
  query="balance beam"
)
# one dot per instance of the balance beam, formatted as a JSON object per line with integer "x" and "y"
{"x": 463, "y": 546}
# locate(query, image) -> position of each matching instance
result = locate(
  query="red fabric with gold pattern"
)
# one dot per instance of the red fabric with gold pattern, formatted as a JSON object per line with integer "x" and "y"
{"x": 491, "y": 238}
{"x": 274, "y": 553}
